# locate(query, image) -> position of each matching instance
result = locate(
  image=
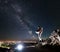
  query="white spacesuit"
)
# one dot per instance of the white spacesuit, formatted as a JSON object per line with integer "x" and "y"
{"x": 39, "y": 33}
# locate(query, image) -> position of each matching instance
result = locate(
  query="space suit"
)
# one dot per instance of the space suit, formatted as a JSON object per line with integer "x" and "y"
{"x": 39, "y": 32}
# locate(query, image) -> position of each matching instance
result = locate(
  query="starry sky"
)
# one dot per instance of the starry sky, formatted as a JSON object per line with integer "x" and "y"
{"x": 19, "y": 18}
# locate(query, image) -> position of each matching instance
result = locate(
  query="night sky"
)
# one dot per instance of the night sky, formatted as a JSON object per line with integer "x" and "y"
{"x": 19, "y": 18}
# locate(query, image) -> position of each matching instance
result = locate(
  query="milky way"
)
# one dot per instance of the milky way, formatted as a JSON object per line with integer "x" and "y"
{"x": 19, "y": 18}
{"x": 14, "y": 21}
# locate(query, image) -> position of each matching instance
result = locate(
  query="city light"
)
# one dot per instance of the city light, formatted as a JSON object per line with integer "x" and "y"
{"x": 19, "y": 47}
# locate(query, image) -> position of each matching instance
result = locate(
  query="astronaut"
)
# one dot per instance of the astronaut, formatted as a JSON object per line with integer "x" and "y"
{"x": 39, "y": 32}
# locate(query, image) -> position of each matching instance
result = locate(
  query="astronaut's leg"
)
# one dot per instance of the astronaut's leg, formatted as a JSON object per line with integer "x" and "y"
{"x": 39, "y": 37}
